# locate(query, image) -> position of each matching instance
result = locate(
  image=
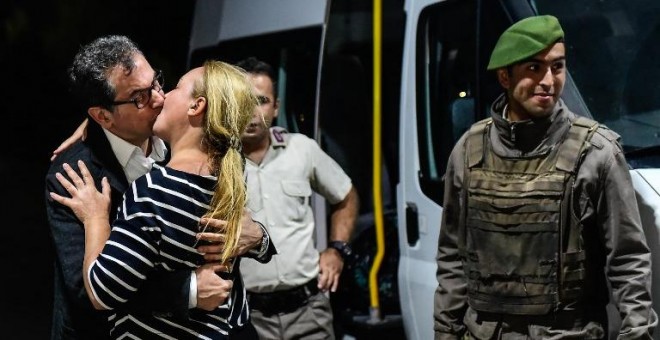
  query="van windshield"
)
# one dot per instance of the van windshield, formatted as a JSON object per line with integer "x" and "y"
{"x": 613, "y": 56}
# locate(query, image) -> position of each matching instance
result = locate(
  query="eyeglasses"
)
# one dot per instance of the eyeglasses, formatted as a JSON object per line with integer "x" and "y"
{"x": 263, "y": 100}
{"x": 142, "y": 97}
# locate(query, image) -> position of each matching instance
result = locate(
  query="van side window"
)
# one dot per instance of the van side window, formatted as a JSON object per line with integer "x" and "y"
{"x": 613, "y": 61}
{"x": 294, "y": 56}
{"x": 447, "y": 67}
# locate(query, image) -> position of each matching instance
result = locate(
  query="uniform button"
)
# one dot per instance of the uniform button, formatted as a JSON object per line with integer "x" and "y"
{"x": 266, "y": 196}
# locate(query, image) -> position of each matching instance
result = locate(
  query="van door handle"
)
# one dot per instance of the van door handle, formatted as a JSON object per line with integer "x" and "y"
{"x": 412, "y": 223}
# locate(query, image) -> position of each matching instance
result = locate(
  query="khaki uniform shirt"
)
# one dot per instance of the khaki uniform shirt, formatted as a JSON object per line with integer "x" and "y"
{"x": 279, "y": 193}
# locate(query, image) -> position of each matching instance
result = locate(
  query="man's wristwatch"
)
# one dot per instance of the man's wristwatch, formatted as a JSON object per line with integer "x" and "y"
{"x": 342, "y": 247}
{"x": 264, "y": 239}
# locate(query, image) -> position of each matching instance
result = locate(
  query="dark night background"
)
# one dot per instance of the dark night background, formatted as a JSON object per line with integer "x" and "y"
{"x": 38, "y": 40}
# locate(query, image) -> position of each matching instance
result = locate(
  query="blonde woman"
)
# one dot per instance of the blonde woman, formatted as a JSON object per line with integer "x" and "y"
{"x": 202, "y": 120}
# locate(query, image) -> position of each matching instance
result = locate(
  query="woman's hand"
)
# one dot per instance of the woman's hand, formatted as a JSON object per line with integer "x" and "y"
{"x": 79, "y": 134}
{"x": 86, "y": 201}
{"x": 93, "y": 209}
{"x": 212, "y": 290}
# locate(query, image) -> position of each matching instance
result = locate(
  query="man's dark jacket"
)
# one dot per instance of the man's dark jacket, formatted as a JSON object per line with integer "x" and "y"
{"x": 74, "y": 317}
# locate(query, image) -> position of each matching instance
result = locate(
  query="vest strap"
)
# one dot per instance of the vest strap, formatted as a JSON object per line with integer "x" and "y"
{"x": 572, "y": 258}
{"x": 475, "y": 142}
{"x": 573, "y": 147}
{"x": 474, "y": 156}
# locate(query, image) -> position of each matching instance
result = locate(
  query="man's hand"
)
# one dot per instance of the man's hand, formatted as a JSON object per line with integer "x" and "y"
{"x": 251, "y": 235}
{"x": 342, "y": 221}
{"x": 212, "y": 291}
{"x": 330, "y": 265}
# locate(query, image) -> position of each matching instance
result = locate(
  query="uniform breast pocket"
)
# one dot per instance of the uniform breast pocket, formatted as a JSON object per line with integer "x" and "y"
{"x": 296, "y": 197}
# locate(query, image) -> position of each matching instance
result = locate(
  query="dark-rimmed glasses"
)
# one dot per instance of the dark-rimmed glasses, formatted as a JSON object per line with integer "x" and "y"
{"x": 142, "y": 97}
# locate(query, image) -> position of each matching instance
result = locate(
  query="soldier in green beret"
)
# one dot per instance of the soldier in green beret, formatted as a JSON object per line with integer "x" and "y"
{"x": 539, "y": 214}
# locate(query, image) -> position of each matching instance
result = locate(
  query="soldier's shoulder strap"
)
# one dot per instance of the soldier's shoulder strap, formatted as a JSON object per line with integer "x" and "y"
{"x": 475, "y": 142}
{"x": 279, "y": 136}
{"x": 573, "y": 147}
{"x": 474, "y": 154}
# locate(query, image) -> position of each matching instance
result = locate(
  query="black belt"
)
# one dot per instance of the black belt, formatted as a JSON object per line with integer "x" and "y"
{"x": 283, "y": 301}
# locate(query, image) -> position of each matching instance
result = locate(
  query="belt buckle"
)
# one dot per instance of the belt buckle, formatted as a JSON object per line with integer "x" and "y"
{"x": 264, "y": 303}
{"x": 282, "y": 302}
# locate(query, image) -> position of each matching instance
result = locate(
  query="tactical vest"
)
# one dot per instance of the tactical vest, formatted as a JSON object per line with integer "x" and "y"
{"x": 521, "y": 245}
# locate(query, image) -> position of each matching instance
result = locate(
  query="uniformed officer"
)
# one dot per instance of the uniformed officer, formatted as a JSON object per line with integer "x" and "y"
{"x": 287, "y": 296}
{"x": 539, "y": 214}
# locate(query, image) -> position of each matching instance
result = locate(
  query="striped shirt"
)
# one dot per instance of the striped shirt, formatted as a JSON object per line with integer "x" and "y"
{"x": 155, "y": 232}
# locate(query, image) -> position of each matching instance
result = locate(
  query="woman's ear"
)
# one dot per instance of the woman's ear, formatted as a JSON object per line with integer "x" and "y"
{"x": 101, "y": 116}
{"x": 198, "y": 106}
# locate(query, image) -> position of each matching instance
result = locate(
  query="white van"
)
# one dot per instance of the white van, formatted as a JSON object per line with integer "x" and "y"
{"x": 434, "y": 85}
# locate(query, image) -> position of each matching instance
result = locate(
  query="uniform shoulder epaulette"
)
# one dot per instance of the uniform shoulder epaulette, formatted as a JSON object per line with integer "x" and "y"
{"x": 607, "y": 134}
{"x": 279, "y": 136}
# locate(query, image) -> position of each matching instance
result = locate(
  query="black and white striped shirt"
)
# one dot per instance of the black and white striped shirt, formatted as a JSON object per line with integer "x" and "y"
{"x": 155, "y": 231}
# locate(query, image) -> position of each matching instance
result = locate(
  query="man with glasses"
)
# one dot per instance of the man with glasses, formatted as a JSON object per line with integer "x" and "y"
{"x": 123, "y": 95}
{"x": 140, "y": 98}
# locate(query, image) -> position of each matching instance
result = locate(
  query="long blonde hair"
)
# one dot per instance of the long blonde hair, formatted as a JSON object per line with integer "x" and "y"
{"x": 230, "y": 104}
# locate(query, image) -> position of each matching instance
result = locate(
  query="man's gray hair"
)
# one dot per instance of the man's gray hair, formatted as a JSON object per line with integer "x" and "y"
{"x": 93, "y": 64}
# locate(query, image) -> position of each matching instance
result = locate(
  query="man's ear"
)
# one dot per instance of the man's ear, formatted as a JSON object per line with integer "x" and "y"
{"x": 503, "y": 77}
{"x": 101, "y": 116}
{"x": 276, "y": 107}
{"x": 198, "y": 106}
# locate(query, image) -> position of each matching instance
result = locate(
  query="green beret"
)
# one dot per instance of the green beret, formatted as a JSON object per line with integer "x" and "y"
{"x": 524, "y": 39}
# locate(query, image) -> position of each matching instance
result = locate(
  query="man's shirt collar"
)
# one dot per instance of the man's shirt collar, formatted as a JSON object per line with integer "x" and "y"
{"x": 132, "y": 159}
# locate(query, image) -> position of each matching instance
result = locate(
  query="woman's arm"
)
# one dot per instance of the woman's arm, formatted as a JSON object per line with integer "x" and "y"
{"x": 79, "y": 134}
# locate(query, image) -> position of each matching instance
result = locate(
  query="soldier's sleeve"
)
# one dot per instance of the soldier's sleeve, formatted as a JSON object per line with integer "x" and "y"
{"x": 628, "y": 255}
{"x": 450, "y": 297}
